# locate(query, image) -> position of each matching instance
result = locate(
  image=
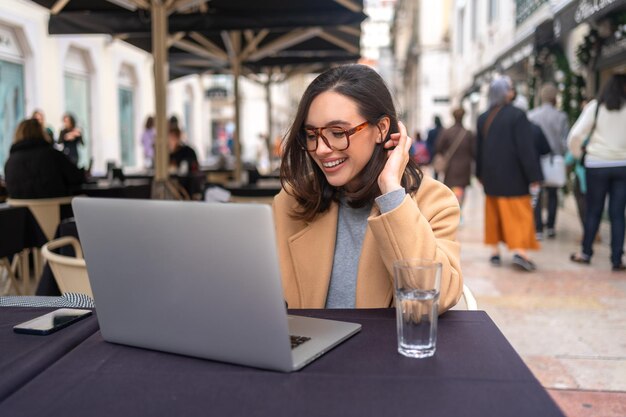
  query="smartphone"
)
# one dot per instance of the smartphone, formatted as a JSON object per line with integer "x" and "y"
{"x": 51, "y": 322}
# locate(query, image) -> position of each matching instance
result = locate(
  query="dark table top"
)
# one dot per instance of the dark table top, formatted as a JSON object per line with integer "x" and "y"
{"x": 129, "y": 188}
{"x": 23, "y": 357}
{"x": 254, "y": 190}
{"x": 475, "y": 372}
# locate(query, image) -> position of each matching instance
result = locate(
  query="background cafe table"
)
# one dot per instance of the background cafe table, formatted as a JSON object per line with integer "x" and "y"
{"x": 18, "y": 231}
{"x": 129, "y": 188}
{"x": 475, "y": 372}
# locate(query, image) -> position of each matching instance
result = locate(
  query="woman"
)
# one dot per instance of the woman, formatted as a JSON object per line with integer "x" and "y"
{"x": 184, "y": 164}
{"x": 35, "y": 169}
{"x": 605, "y": 166}
{"x": 353, "y": 202}
{"x": 70, "y": 137}
{"x": 38, "y": 115}
{"x": 147, "y": 142}
{"x": 507, "y": 166}
{"x": 461, "y": 143}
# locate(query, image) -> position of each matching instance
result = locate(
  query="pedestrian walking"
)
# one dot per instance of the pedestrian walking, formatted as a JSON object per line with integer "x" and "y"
{"x": 603, "y": 122}
{"x": 431, "y": 140}
{"x": 457, "y": 146}
{"x": 554, "y": 124}
{"x": 507, "y": 166}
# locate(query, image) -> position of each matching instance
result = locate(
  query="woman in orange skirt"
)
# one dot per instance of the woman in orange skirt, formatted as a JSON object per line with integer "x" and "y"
{"x": 507, "y": 166}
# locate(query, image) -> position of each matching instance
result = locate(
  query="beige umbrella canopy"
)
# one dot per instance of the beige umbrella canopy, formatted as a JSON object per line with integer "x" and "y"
{"x": 243, "y": 37}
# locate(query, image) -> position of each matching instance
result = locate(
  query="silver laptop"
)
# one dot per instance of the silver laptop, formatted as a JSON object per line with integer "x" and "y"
{"x": 198, "y": 279}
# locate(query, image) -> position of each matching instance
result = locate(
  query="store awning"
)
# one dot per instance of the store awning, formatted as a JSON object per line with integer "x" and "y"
{"x": 580, "y": 11}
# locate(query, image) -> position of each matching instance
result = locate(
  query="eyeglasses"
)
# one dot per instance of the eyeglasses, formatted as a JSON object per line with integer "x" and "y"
{"x": 335, "y": 137}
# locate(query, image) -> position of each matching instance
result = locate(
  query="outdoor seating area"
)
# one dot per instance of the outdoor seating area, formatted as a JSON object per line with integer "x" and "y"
{"x": 39, "y": 221}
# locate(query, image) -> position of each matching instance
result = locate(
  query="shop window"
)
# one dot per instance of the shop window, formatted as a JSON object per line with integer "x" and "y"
{"x": 188, "y": 115}
{"x": 127, "y": 142}
{"x": 492, "y": 10}
{"x": 11, "y": 91}
{"x": 126, "y": 108}
{"x": 460, "y": 36}
{"x": 474, "y": 20}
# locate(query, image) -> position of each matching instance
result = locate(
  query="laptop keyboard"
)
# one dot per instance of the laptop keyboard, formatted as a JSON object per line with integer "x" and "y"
{"x": 298, "y": 340}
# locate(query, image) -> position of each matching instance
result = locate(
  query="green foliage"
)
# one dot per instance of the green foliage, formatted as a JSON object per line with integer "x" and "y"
{"x": 552, "y": 60}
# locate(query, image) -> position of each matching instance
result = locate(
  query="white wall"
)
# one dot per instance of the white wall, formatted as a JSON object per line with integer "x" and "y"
{"x": 434, "y": 63}
{"x": 44, "y": 77}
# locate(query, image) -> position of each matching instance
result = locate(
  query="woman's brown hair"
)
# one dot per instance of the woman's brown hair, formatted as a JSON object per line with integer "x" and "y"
{"x": 303, "y": 179}
{"x": 29, "y": 129}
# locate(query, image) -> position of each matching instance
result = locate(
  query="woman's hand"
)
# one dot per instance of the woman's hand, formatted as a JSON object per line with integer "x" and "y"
{"x": 397, "y": 157}
{"x": 72, "y": 135}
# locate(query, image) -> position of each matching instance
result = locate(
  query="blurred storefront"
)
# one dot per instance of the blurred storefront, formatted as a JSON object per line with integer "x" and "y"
{"x": 595, "y": 32}
{"x": 576, "y": 44}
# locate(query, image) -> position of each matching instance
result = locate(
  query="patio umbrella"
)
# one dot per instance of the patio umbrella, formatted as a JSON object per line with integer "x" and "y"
{"x": 265, "y": 63}
{"x": 239, "y": 35}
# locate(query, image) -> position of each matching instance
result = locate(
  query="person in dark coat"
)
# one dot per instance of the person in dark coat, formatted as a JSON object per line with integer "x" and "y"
{"x": 70, "y": 137}
{"x": 508, "y": 166}
{"x": 184, "y": 164}
{"x": 459, "y": 169}
{"x": 35, "y": 169}
{"x": 431, "y": 141}
{"x": 433, "y": 134}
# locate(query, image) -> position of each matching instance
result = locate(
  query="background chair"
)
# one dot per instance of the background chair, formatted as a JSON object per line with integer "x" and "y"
{"x": 47, "y": 211}
{"x": 469, "y": 299}
{"x": 69, "y": 272}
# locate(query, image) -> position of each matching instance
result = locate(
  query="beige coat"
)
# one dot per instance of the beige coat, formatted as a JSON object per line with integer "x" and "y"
{"x": 421, "y": 227}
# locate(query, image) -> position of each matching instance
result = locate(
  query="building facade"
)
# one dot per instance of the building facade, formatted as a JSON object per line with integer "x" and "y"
{"x": 575, "y": 44}
{"x": 421, "y": 49}
{"x": 108, "y": 85}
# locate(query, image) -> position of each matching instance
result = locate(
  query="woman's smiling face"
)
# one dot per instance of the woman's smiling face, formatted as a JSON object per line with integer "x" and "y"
{"x": 341, "y": 168}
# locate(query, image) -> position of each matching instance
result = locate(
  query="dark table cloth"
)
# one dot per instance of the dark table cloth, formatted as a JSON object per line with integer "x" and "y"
{"x": 18, "y": 230}
{"x": 23, "y": 357}
{"x": 475, "y": 372}
{"x": 253, "y": 190}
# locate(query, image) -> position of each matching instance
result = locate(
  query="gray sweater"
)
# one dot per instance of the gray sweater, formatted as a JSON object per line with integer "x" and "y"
{"x": 351, "y": 227}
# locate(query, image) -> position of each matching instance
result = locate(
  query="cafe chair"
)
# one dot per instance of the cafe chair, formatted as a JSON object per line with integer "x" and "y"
{"x": 468, "y": 297}
{"x": 47, "y": 211}
{"x": 69, "y": 272}
{"x": 12, "y": 275}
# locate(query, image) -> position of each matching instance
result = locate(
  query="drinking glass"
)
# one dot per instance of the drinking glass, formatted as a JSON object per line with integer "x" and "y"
{"x": 417, "y": 283}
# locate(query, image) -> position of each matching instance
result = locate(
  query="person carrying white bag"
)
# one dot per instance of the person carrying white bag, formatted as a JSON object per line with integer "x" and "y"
{"x": 555, "y": 126}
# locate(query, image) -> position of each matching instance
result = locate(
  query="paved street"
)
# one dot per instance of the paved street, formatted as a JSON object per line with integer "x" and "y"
{"x": 567, "y": 321}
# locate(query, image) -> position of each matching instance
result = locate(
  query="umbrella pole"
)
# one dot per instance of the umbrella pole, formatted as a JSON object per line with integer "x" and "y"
{"x": 268, "y": 97}
{"x": 160, "y": 187}
{"x": 237, "y": 138}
